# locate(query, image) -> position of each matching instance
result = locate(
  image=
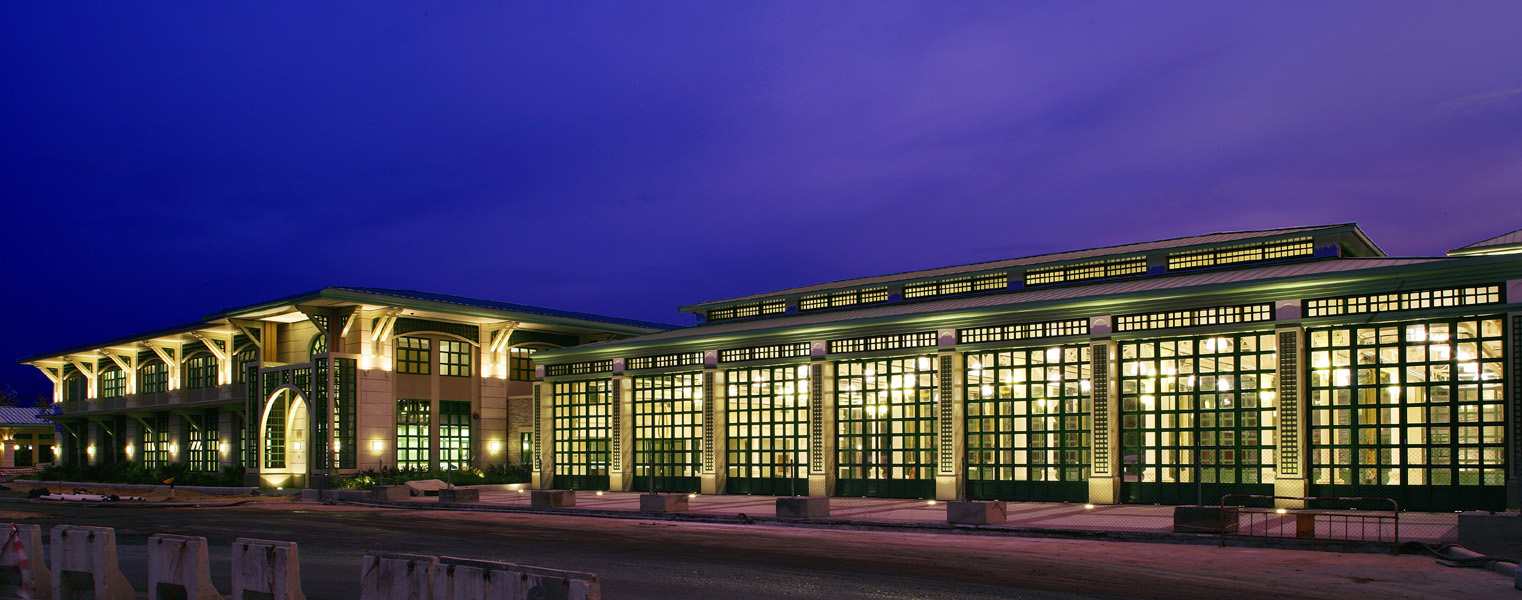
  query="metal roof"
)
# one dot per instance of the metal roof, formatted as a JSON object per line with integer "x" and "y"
{"x": 1496, "y": 243}
{"x": 15, "y": 415}
{"x": 523, "y": 308}
{"x": 1097, "y": 289}
{"x": 210, "y": 320}
{"x": 1211, "y": 238}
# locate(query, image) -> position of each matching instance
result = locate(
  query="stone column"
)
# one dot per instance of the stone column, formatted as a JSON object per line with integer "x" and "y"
{"x": 1513, "y": 353}
{"x": 1104, "y": 416}
{"x": 1293, "y": 444}
{"x": 822, "y": 452}
{"x": 542, "y": 473}
{"x": 951, "y": 425}
{"x": 715, "y": 426}
{"x": 621, "y": 431}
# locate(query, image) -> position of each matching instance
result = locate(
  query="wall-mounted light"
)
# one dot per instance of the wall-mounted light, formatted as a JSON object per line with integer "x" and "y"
{"x": 298, "y": 445}
{"x": 90, "y": 450}
{"x": 130, "y": 450}
{"x": 222, "y": 448}
{"x": 174, "y": 448}
{"x": 377, "y": 445}
{"x": 494, "y": 447}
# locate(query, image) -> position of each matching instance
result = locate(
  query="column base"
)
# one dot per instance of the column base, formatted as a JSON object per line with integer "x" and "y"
{"x": 821, "y": 485}
{"x": 620, "y": 482}
{"x": 711, "y": 484}
{"x": 1290, "y": 487}
{"x": 1104, "y": 490}
{"x": 948, "y": 487}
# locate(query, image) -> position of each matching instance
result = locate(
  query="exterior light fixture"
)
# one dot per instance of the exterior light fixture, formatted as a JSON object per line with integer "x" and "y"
{"x": 377, "y": 445}
{"x": 930, "y": 503}
{"x": 222, "y": 448}
{"x": 1088, "y": 507}
{"x": 90, "y": 450}
{"x": 494, "y": 447}
{"x": 1280, "y": 511}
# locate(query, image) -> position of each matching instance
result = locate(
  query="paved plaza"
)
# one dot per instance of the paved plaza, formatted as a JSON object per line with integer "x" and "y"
{"x": 1057, "y": 516}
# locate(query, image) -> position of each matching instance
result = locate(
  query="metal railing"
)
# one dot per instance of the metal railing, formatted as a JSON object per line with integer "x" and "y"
{"x": 1349, "y": 524}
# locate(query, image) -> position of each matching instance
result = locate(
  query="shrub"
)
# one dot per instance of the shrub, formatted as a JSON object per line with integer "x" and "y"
{"x": 131, "y": 472}
{"x": 370, "y": 478}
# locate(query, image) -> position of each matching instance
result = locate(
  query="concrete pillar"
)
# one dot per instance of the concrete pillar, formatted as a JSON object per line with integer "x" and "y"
{"x": 543, "y": 473}
{"x": 621, "y": 431}
{"x": 715, "y": 428}
{"x": 1104, "y": 416}
{"x": 1514, "y": 432}
{"x": 823, "y": 457}
{"x": 951, "y": 424}
{"x": 1292, "y": 435}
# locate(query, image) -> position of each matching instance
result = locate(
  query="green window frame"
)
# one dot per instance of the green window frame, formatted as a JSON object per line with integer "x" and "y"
{"x": 274, "y": 432}
{"x": 113, "y": 383}
{"x": 156, "y": 442}
{"x": 668, "y": 432}
{"x": 526, "y": 448}
{"x": 74, "y": 388}
{"x": 454, "y": 434}
{"x": 1206, "y": 402}
{"x": 1411, "y": 410}
{"x": 581, "y": 423}
{"x": 242, "y": 360}
{"x": 414, "y": 355}
{"x": 767, "y": 417}
{"x": 454, "y": 358}
{"x": 200, "y": 372}
{"x": 886, "y": 426}
{"x": 153, "y": 378}
{"x": 319, "y": 345}
{"x": 413, "y": 424}
{"x": 520, "y": 363}
{"x": 202, "y": 441}
{"x": 1027, "y": 415}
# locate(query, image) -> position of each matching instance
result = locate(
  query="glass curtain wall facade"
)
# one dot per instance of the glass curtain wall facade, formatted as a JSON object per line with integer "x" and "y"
{"x": 581, "y": 422}
{"x": 1413, "y": 411}
{"x": 668, "y": 432}
{"x": 767, "y": 420}
{"x": 1198, "y": 417}
{"x": 886, "y": 427}
{"x": 1028, "y": 424}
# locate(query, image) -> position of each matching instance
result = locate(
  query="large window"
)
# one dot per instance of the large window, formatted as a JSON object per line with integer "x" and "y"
{"x": 454, "y": 358}
{"x": 201, "y": 372}
{"x": 413, "y": 355}
{"x": 202, "y": 440}
{"x": 668, "y": 432}
{"x": 582, "y": 433}
{"x": 113, "y": 383}
{"x": 1413, "y": 411}
{"x": 1028, "y": 424}
{"x": 768, "y": 417}
{"x": 318, "y": 346}
{"x": 520, "y": 364}
{"x": 454, "y": 434}
{"x": 153, "y": 378}
{"x": 21, "y": 450}
{"x": 156, "y": 441}
{"x": 413, "y": 422}
{"x": 242, "y": 361}
{"x": 1201, "y": 405}
{"x": 885, "y": 414}
{"x": 75, "y": 388}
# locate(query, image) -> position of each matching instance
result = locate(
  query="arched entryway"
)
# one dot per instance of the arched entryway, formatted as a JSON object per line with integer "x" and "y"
{"x": 284, "y": 439}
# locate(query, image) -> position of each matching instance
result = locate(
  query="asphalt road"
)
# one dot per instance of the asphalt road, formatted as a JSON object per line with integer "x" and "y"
{"x": 633, "y": 559}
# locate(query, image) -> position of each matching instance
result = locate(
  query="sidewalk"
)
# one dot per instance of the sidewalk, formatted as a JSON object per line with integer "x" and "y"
{"x": 1131, "y": 518}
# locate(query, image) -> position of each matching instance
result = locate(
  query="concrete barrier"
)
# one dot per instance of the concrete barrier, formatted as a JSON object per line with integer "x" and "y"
{"x": 265, "y": 570}
{"x": 815, "y": 507}
{"x": 426, "y": 487}
{"x": 178, "y": 568}
{"x": 465, "y": 579}
{"x": 976, "y": 513}
{"x": 345, "y": 495}
{"x": 23, "y": 572}
{"x": 662, "y": 503}
{"x": 552, "y": 498}
{"x": 1478, "y": 526}
{"x": 459, "y": 495}
{"x": 1203, "y": 519}
{"x": 392, "y": 576}
{"x": 84, "y": 564}
{"x": 390, "y": 492}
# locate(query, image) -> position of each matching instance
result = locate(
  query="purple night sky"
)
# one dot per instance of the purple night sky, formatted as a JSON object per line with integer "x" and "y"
{"x": 158, "y": 163}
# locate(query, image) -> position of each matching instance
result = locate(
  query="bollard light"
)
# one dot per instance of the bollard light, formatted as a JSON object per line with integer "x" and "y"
{"x": 1088, "y": 507}
{"x": 1280, "y": 511}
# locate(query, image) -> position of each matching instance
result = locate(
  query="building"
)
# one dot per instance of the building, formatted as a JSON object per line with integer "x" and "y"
{"x": 26, "y": 439}
{"x": 303, "y": 388}
{"x": 1293, "y": 362}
